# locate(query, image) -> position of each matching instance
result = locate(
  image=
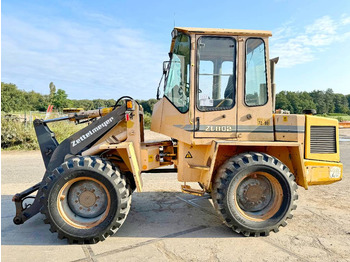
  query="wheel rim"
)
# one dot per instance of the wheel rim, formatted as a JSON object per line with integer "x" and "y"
{"x": 83, "y": 202}
{"x": 258, "y": 196}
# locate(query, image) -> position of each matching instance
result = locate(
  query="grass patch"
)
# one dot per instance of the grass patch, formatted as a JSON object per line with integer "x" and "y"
{"x": 337, "y": 114}
{"x": 341, "y": 118}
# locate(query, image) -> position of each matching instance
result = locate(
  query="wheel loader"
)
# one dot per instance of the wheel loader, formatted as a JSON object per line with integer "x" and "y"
{"x": 218, "y": 109}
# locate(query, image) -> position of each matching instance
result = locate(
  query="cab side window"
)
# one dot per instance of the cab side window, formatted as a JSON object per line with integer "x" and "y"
{"x": 216, "y": 65}
{"x": 255, "y": 76}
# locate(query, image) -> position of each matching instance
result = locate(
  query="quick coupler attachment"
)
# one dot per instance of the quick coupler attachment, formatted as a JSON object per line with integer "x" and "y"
{"x": 25, "y": 212}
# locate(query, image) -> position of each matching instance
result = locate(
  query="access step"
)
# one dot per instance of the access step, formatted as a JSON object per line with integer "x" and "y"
{"x": 188, "y": 190}
{"x": 199, "y": 167}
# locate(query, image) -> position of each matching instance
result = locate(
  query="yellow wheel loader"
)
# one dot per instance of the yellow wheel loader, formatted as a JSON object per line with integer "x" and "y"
{"x": 217, "y": 108}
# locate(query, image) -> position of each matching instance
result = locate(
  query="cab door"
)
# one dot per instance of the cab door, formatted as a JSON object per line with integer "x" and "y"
{"x": 254, "y": 116}
{"x": 215, "y": 107}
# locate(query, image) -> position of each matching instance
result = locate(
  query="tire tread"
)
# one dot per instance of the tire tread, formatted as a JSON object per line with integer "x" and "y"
{"x": 223, "y": 179}
{"x": 107, "y": 170}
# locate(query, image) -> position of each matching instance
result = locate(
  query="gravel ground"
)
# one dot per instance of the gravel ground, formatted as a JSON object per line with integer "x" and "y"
{"x": 166, "y": 225}
{"x": 344, "y": 133}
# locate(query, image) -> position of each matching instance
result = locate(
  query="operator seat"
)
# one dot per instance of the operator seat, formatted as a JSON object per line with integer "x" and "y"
{"x": 229, "y": 95}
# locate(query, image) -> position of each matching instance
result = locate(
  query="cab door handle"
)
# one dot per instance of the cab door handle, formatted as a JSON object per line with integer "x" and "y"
{"x": 197, "y": 124}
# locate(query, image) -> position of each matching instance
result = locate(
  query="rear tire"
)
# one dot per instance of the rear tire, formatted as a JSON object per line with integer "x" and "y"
{"x": 85, "y": 200}
{"x": 254, "y": 193}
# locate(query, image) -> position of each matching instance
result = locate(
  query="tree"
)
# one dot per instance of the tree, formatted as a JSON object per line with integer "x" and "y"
{"x": 37, "y": 102}
{"x": 305, "y": 101}
{"x": 319, "y": 99}
{"x": 83, "y": 103}
{"x": 13, "y": 99}
{"x": 329, "y": 99}
{"x": 295, "y": 103}
{"x": 282, "y": 101}
{"x": 60, "y": 99}
{"x": 52, "y": 91}
{"x": 148, "y": 104}
{"x": 110, "y": 102}
{"x": 99, "y": 103}
{"x": 341, "y": 104}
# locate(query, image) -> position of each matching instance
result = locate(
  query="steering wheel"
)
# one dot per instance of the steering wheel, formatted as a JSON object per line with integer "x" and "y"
{"x": 230, "y": 94}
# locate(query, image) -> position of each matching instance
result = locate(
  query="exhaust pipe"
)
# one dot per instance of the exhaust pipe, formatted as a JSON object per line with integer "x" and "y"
{"x": 273, "y": 62}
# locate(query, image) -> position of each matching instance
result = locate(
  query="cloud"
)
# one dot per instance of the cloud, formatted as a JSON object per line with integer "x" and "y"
{"x": 96, "y": 58}
{"x": 295, "y": 46}
{"x": 345, "y": 20}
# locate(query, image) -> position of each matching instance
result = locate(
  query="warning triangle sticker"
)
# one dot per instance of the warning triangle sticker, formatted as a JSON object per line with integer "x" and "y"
{"x": 188, "y": 155}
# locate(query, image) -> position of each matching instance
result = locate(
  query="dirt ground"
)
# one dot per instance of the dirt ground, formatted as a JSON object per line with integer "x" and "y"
{"x": 167, "y": 225}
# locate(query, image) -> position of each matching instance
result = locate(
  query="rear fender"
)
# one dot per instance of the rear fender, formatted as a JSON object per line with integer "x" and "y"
{"x": 289, "y": 153}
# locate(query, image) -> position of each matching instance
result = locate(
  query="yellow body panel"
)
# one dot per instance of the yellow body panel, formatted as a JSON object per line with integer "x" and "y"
{"x": 320, "y": 121}
{"x": 127, "y": 152}
{"x": 323, "y": 172}
{"x": 222, "y": 31}
{"x": 150, "y": 158}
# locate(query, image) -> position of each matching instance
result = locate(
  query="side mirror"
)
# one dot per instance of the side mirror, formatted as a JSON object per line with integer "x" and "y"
{"x": 165, "y": 66}
{"x": 165, "y": 70}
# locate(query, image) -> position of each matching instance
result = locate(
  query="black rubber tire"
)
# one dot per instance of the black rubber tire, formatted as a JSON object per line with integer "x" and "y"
{"x": 116, "y": 188}
{"x": 225, "y": 199}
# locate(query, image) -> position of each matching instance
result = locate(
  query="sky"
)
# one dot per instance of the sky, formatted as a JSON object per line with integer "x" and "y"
{"x": 106, "y": 49}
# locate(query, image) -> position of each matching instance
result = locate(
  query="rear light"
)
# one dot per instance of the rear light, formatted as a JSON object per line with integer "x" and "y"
{"x": 127, "y": 117}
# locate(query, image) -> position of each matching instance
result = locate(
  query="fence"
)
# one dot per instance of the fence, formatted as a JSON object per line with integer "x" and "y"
{"x": 29, "y": 117}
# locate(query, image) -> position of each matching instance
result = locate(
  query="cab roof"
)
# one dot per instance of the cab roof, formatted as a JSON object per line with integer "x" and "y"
{"x": 221, "y": 31}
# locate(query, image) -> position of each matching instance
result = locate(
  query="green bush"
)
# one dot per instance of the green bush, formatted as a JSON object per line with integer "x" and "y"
{"x": 15, "y": 135}
{"x": 147, "y": 120}
{"x": 339, "y": 118}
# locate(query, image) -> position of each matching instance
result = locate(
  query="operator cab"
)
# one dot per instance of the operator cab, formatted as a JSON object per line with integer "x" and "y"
{"x": 216, "y": 85}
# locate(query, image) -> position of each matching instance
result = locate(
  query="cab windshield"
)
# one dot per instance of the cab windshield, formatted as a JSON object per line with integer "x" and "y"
{"x": 177, "y": 87}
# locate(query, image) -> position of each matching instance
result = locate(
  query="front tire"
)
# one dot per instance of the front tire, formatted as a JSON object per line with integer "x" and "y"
{"x": 85, "y": 200}
{"x": 254, "y": 193}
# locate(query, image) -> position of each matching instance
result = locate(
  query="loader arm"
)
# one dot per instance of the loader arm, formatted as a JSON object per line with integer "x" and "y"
{"x": 54, "y": 154}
